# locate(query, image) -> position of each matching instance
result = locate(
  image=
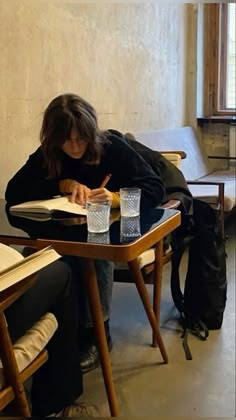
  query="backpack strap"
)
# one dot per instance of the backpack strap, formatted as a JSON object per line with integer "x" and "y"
{"x": 197, "y": 328}
{"x": 190, "y": 325}
{"x": 187, "y": 351}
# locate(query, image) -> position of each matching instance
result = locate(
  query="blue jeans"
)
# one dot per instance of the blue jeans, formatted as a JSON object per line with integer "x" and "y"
{"x": 104, "y": 271}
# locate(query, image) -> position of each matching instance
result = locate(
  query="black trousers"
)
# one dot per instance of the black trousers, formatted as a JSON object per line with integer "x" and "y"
{"x": 59, "y": 381}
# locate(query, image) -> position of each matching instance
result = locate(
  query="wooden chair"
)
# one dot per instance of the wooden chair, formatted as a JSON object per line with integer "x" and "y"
{"x": 147, "y": 260}
{"x": 21, "y": 360}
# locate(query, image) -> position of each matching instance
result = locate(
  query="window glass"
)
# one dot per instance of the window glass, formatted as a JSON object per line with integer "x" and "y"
{"x": 231, "y": 58}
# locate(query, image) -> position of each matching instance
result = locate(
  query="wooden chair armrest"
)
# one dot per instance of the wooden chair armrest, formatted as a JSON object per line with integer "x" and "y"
{"x": 182, "y": 154}
{"x": 222, "y": 157}
{"x": 221, "y": 188}
{"x": 12, "y": 293}
{"x": 199, "y": 182}
{"x": 220, "y": 198}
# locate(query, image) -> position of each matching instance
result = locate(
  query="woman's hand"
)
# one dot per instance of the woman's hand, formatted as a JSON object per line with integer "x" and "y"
{"x": 79, "y": 192}
{"x": 100, "y": 194}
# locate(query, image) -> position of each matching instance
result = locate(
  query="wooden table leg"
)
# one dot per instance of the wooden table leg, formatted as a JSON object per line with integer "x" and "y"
{"x": 157, "y": 285}
{"x": 139, "y": 281}
{"x": 96, "y": 311}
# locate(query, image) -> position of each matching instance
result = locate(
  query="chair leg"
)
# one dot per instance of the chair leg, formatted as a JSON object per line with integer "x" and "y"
{"x": 141, "y": 287}
{"x": 11, "y": 371}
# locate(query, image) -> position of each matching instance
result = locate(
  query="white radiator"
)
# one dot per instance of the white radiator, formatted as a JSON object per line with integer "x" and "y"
{"x": 232, "y": 145}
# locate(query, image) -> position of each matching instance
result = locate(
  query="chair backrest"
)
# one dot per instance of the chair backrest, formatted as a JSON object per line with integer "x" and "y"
{"x": 196, "y": 164}
{"x": 19, "y": 361}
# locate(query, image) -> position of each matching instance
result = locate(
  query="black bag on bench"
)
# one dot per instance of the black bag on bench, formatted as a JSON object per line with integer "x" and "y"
{"x": 203, "y": 301}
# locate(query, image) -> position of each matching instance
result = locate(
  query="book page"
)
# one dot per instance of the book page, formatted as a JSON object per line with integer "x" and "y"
{"x": 27, "y": 266}
{"x": 8, "y": 256}
{"x": 73, "y": 208}
{"x": 53, "y": 203}
{"x": 48, "y": 206}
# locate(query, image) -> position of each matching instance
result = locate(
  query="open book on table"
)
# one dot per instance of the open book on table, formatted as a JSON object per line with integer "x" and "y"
{"x": 14, "y": 267}
{"x": 54, "y": 205}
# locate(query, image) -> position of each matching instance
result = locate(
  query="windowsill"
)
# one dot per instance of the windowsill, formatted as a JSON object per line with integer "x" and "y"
{"x": 217, "y": 119}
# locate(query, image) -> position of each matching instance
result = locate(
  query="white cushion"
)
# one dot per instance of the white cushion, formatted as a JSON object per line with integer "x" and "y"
{"x": 28, "y": 347}
{"x": 147, "y": 257}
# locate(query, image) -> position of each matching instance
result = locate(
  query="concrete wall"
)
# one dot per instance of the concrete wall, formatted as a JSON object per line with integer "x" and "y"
{"x": 128, "y": 59}
{"x": 216, "y": 141}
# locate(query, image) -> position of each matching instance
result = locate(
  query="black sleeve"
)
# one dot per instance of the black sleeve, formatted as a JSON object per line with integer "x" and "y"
{"x": 31, "y": 182}
{"x": 176, "y": 185}
{"x": 131, "y": 170}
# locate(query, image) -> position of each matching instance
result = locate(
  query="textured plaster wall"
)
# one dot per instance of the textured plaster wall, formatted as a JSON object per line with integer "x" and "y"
{"x": 127, "y": 59}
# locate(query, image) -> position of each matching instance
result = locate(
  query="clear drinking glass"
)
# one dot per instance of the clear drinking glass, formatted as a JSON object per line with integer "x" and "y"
{"x": 99, "y": 238}
{"x": 130, "y": 202}
{"x": 129, "y": 228}
{"x": 98, "y": 216}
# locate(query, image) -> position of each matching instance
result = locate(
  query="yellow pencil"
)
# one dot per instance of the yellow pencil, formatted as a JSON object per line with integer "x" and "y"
{"x": 105, "y": 181}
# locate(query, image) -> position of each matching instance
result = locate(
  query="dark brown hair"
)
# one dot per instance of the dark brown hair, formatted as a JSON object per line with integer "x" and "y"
{"x": 65, "y": 112}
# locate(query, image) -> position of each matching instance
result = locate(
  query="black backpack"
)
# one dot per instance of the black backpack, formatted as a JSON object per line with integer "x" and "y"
{"x": 202, "y": 303}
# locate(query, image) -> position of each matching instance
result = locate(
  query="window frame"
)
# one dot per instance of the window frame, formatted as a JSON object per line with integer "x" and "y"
{"x": 216, "y": 19}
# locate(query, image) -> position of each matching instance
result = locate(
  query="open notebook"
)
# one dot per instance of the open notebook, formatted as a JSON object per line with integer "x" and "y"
{"x": 58, "y": 204}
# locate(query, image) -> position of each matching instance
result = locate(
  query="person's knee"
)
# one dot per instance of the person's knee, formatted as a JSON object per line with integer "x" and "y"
{"x": 55, "y": 278}
{"x": 59, "y": 273}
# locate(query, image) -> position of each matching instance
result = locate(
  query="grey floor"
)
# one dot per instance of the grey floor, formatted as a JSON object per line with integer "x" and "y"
{"x": 203, "y": 387}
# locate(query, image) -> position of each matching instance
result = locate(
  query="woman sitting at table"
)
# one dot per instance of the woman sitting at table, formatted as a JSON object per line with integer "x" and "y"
{"x": 74, "y": 158}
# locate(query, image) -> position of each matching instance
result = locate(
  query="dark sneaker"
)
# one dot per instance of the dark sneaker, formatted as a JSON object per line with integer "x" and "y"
{"x": 89, "y": 358}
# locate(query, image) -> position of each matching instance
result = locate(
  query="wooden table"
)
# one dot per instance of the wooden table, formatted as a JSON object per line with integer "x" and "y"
{"x": 69, "y": 237}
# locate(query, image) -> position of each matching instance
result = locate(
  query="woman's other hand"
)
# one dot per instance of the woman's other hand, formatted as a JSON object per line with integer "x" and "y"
{"x": 79, "y": 192}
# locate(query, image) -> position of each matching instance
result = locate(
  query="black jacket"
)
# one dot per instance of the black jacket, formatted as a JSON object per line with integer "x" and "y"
{"x": 172, "y": 178}
{"x": 127, "y": 167}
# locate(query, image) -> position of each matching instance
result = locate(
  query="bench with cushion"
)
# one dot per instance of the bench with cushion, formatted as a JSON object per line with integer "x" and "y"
{"x": 215, "y": 187}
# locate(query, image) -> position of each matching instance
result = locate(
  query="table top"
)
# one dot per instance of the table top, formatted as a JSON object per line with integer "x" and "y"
{"x": 69, "y": 234}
